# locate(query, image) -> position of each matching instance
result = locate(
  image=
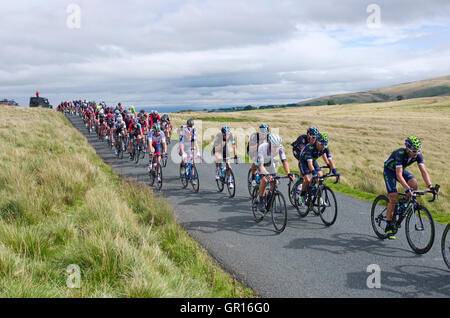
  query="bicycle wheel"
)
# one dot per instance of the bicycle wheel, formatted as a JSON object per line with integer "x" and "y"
{"x": 279, "y": 212}
{"x": 445, "y": 246}
{"x": 419, "y": 227}
{"x": 164, "y": 160}
{"x": 378, "y": 215}
{"x": 249, "y": 182}
{"x": 327, "y": 203}
{"x": 136, "y": 152}
{"x": 158, "y": 176}
{"x": 121, "y": 150}
{"x": 152, "y": 175}
{"x": 231, "y": 181}
{"x": 183, "y": 176}
{"x": 220, "y": 182}
{"x": 255, "y": 200}
{"x": 195, "y": 182}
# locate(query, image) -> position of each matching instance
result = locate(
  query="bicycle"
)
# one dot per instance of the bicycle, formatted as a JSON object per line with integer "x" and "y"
{"x": 164, "y": 159}
{"x": 275, "y": 203}
{"x": 138, "y": 150}
{"x": 418, "y": 218}
{"x": 250, "y": 181}
{"x": 155, "y": 171}
{"x": 121, "y": 147}
{"x": 189, "y": 173}
{"x": 445, "y": 246}
{"x": 226, "y": 176}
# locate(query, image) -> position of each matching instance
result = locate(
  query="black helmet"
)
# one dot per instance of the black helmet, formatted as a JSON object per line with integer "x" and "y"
{"x": 190, "y": 123}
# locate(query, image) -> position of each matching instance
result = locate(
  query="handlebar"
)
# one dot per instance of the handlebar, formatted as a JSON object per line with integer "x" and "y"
{"x": 423, "y": 192}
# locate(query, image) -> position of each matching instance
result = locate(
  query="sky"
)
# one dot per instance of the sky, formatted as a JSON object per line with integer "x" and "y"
{"x": 217, "y": 53}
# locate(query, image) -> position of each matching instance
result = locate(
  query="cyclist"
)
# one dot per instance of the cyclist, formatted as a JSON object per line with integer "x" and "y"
{"x": 256, "y": 139}
{"x": 166, "y": 126}
{"x": 156, "y": 139}
{"x": 188, "y": 142}
{"x": 136, "y": 133}
{"x": 394, "y": 170}
{"x": 300, "y": 143}
{"x": 309, "y": 168}
{"x": 154, "y": 117}
{"x": 267, "y": 164}
{"x": 221, "y": 151}
{"x": 119, "y": 128}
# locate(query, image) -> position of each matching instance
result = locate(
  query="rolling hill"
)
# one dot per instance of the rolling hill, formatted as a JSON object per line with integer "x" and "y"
{"x": 439, "y": 86}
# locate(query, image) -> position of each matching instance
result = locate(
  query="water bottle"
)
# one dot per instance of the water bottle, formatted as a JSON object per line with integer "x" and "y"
{"x": 257, "y": 179}
{"x": 400, "y": 207}
{"x": 223, "y": 171}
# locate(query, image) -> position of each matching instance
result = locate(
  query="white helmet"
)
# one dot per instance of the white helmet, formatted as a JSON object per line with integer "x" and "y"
{"x": 275, "y": 140}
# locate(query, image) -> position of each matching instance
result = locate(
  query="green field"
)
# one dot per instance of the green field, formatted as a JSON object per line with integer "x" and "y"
{"x": 60, "y": 204}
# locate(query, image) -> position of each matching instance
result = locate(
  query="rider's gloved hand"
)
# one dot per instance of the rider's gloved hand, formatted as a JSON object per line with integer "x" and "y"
{"x": 291, "y": 176}
{"x": 314, "y": 174}
{"x": 409, "y": 191}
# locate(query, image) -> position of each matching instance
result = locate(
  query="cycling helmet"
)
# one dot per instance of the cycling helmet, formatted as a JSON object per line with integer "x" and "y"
{"x": 165, "y": 117}
{"x": 119, "y": 118}
{"x": 312, "y": 131}
{"x": 225, "y": 130}
{"x": 413, "y": 143}
{"x": 156, "y": 127}
{"x": 190, "y": 123}
{"x": 265, "y": 127}
{"x": 322, "y": 138}
{"x": 275, "y": 140}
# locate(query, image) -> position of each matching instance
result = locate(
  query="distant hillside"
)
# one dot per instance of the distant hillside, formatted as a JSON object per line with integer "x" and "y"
{"x": 439, "y": 86}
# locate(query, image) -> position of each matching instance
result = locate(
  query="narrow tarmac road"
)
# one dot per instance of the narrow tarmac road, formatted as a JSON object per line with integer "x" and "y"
{"x": 308, "y": 259}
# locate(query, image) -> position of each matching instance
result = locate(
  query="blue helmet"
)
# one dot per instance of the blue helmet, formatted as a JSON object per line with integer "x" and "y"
{"x": 225, "y": 130}
{"x": 312, "y": 131}
{"x": 264, "y": 128}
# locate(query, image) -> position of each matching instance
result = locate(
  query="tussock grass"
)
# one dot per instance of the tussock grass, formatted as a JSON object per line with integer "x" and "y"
{"x": 362, "y": 136}
{"x": 61, "y": 205}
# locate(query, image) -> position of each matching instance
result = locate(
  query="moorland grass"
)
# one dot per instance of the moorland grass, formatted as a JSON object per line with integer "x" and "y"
{"x": 60, "y": 204}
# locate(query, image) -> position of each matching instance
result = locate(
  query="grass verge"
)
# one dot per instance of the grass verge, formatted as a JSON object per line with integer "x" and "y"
{"x": 60, "y": 204}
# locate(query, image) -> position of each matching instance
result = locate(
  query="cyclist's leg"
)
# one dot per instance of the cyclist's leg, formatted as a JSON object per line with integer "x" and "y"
{"x": 410, "y": 180}
{"x": 391, "y": 187}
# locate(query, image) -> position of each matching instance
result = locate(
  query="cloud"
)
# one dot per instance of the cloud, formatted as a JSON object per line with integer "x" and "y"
{"x": 217, "y": 53}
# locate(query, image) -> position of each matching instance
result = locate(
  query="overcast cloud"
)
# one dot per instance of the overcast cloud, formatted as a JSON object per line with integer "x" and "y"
{"x": 200, "y": 53}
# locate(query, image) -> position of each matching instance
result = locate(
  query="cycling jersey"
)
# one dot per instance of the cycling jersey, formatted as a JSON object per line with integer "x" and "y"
{"x": 135, "y": 131}
{"x": 298, "y": 145}
{"x": 311, "y": 153}
{"x": 156, "y": 139}
{"x": 119, "y": 127}
{"x": 400, "y": 158}
{"x": 256, "y": 139}
{"x": 267, "y": 157}
{"x": 221, "y": 142}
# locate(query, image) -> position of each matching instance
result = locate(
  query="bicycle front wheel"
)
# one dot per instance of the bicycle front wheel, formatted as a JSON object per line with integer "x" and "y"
{"x": 231, "y": 184}
{"x": 249, "y": 182}
{"x": 159, "y": 176}
{"x": 419, "y": 229}
{"x": 258, "y": 215}
{"x": 378, "y": 215}
{"x": 279, "y": 212}
{"x": 195, "y": 182}
{"x": 327, "y": 203}
{"x": 183, "y": 176}
{"x": 445, "y": 246}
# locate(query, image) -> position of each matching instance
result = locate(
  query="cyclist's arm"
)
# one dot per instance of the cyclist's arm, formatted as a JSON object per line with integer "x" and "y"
{"x": 399, "y": 175}
{"x": 425, "y": 175}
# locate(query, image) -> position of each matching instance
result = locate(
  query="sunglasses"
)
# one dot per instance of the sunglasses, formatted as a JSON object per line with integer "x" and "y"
{"x": 414, "y": 151}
